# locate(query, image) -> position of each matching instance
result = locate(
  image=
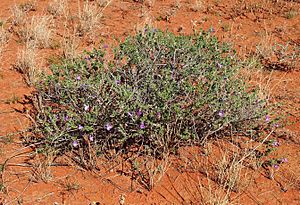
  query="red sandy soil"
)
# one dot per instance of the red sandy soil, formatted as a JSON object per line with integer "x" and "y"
{"x": 242, "y": 24}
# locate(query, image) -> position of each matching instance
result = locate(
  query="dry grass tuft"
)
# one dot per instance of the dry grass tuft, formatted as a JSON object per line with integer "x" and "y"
{"x": 27, "y": 63}
{"x": 89, "y": 18}
{"x": 58, "y": 8}
{"x": 264, "y": 48}
{"x": 276, "y": 56}
{"x": 41, "y": 169}
{"x": 4, "y": 37}
{"x": 38, "y": 31}
{"x": 28, "y": 6}
{"x": 102, "y": 3}
{"x": 19, "y": 16}
{"x": 69, "y": 46}
{"x": 197, "y": 6}
{"x": 228, "y": 170}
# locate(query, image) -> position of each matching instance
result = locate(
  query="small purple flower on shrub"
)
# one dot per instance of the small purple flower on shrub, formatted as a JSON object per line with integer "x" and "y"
{"x": 78, "y": 78}
{"x": 219, "y": 65}
{"x": 91, "y": 138}
{"x": 276, "y": 166}
{"x": 221, "y": 113}
{"x": 284, "y": 160}
{"x": 108, "y": 126}
{"x": 212, "y": 30}
{"x": 75, "y": 143}
{"x": 275, "y": 144}
{"x": 130, "y": 114}
{"x": 80, "y": 127}
{"x": 267, "y": 118}
{"x": 86, "y": 107}
{"x": 142, "y": 125}
{"x": 158, "y": 115}
{"x": 139, "y": 113}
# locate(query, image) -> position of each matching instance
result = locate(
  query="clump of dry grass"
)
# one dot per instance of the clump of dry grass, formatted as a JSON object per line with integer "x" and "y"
{"x": 219, "y": 169}
{"x": 19, "y": 16}
{"x": 197, "y": 6}
{"x": 102, "y": 3}
{"x": 57, "y": 7}
{"x": 89, "y": 17}
{"x": 41, "y": 168}
{"x": 228, "y": 170}
{"x": 4, "y": 37}
{"x": 69, "y": 46}
{"x": 26, "y": 63}
{"x": 28, "y": 6}
{"x": 38, "y": 31}
{"x": 277, "y": 56}
{"x": 19, "y": 12}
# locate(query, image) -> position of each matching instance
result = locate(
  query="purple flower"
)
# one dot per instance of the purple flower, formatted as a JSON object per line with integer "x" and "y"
{"x": 158, "y": 115}
{"x": 80, "y": 127}
{"x": 219, "y": 65}
{"x": 91, "y": 138}
{"x": 66, "y": 118}
{"x": 284, "y": 160}
{"x": 130, "y": 114}
{"x": 105, "y": 46}
{"x": 145, "y": 30}
{"x": 221, "y": 113}
{"x": 139, "y": 113}
{"x": 75, "y": 143}
{"x": 276, "y": 166}
{"x": 142, "y": 125}
{"x": 87, "y": 58}
{"x": 78, "y": 78}
{"x": 108, "y": 126}
{"x": 267, "y": 118}
{"x": 275, "y": 143}
{"x": 86, "y": 107}
{"x": 118, "y": 82}
{"x": 212, "y": 30}
{"x": 154, "y": 30}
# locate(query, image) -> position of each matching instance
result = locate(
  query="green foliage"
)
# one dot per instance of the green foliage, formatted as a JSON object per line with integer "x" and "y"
{"x": 159, "y": 92}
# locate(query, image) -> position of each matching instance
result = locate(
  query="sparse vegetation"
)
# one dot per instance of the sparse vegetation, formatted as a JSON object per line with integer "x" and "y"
{"x": 19, "y": 16}
{"x": 26, "y": 63}
{"x": 38, "y": 31}
{"x": 89, "y": 18}
{"x": 4, "y": 37}
{"x": 58, "y": 8}
{"x": 69, "y": 46}
{"x": 28, "y": 6}
{"x": 278, "y": 56}
{"x": 292, "y": 13}
{"x": 198, "y": 5}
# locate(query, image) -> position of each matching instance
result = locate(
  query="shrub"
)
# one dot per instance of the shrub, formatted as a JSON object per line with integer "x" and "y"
{"x": 159, "y": 92}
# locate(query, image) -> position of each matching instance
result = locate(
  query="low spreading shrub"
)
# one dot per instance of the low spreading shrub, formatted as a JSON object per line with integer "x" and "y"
{"x": 159, "y": 92}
